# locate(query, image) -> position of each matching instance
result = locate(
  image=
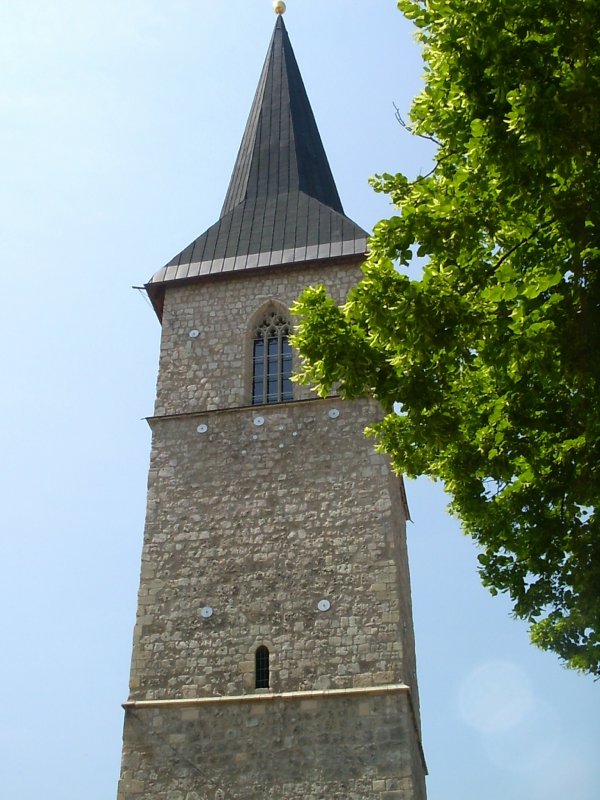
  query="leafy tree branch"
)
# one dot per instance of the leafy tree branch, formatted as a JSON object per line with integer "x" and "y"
{"x": 492, "y": 356}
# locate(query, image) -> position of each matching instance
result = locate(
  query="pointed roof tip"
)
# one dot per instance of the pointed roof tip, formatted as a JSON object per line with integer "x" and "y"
{"x": 281, "y": 150}
{"x": 282, "y": 206}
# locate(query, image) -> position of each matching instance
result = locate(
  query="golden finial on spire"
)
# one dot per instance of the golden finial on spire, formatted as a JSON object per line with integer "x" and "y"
{"x": 279, "y": 7}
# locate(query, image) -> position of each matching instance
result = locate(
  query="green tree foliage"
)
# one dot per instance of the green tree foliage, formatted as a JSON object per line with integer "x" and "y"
{"x": 488, "y": 365}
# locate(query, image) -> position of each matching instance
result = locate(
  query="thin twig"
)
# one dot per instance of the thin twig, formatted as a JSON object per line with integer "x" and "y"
{"x": 412, "y": 130}
{"x": 516, "y": 246}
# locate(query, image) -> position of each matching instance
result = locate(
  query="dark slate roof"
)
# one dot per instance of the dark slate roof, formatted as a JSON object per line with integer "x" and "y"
{"x": 282, "y": 206}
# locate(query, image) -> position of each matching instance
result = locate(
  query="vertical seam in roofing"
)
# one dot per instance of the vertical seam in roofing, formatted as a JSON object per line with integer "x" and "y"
{"x": 235, "y": 232}
{"x": 294, "y": 166}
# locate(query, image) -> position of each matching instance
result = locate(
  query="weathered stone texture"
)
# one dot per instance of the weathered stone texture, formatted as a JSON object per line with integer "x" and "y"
{"x": 213, "y": 370}
{"x": 326, "y": 750}
{"x": 260, "y": 522}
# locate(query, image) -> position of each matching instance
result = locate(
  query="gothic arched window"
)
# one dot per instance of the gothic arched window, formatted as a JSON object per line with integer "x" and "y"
{"x": 272, "y": 361}
{"x": 261, "y": 660}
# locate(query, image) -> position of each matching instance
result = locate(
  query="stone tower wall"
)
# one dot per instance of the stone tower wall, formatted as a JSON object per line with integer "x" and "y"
{"x": 213, "y": 370}
{"x": 321, "y": 748}
{"x": 260, "y": 522}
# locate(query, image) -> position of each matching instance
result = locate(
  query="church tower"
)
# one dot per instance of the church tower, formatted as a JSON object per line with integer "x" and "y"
{"x": 273, "y": 652}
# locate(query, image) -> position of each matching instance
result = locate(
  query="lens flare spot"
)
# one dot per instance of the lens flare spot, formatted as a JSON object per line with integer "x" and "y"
{"x": 495, "y": 697}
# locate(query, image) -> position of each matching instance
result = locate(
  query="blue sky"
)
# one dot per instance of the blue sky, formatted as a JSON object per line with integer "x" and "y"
{"x": 120, "y": 123}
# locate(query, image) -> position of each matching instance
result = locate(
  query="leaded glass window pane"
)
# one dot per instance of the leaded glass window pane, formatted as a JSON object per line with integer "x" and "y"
{"x": 272, "y": 361}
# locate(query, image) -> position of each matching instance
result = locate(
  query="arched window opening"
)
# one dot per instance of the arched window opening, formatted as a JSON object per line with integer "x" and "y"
{"x": 261, "y": 660}
{"x": 272, "y": 361}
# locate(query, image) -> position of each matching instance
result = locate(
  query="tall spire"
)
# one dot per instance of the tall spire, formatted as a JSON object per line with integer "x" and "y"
{"x": 282, "y": 206}
{"x": 281, "y": 151}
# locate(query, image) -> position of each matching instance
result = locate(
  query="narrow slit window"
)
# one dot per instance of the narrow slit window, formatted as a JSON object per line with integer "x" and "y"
{"x": 272, "y": 361}
{"x": 262, "y": 667}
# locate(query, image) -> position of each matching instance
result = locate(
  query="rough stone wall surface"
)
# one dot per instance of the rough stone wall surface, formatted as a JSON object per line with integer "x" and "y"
{"x": 213, "y": 369}
{"x": 260, "y": 512}
{"x": 260, "y": 523}
{"x": 336, "y": 748}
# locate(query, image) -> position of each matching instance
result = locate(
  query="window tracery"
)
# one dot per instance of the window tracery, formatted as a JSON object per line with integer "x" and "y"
{"x": 272, "y": 360}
